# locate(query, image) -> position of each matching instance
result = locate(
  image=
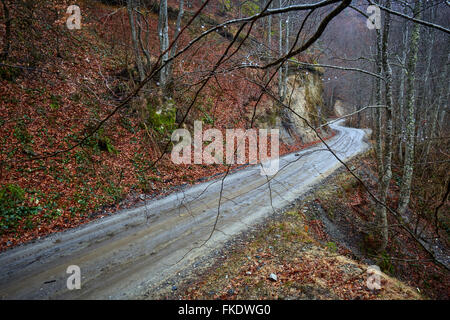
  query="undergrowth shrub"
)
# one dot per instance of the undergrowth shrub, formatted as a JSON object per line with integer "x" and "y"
{"x": 14, "y": 209}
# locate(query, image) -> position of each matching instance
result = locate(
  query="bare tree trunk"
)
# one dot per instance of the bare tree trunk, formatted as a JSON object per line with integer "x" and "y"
{"x": 436, "y": 108}
{"x": 444, "y": 107}
{"x": 7, "y": 40}
{"x": 131, "y": 6}
{"x": 173, "y": 50}
{"x": 269, "y": 39}
{"x": 332, "y": 97}
{"x": 401, "y": 126}
{"x": 378, "y": 143}
{"x": 280, "y": 50}
{"x": 141, "y": 43}
{"x": 425, "y": 86}
{"x": 163, "y": 34}
{"x": 261, "y": 5}
{"x": 424, "y": 89}
{"x": 387, "y": 170}
{"x": 269, "y": 30}
{"x": 408, "y": 167}
{"x": 286, "y": 67}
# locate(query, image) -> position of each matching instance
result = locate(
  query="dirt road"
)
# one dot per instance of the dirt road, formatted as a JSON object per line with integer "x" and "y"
{"x": 123, "y": 255}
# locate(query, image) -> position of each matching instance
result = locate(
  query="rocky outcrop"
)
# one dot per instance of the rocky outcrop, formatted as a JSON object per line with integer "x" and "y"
{"x": 340, "y": 108}
{"x": 304, "y": 97}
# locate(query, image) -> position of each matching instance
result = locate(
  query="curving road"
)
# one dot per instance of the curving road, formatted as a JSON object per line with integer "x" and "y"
{"x": 124, "y": 255}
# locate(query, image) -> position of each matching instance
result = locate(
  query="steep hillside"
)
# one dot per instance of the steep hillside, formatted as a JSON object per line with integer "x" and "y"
{"x": 55, "y": 174}
{"x": 305, "y": 99}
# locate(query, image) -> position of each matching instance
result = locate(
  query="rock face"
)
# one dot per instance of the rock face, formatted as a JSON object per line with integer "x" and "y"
{"x": 304, "y": 97}
{"x": 339, "y": 108}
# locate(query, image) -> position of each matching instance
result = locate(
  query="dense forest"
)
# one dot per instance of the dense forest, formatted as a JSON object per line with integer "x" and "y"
{"x": 95, "y": 94}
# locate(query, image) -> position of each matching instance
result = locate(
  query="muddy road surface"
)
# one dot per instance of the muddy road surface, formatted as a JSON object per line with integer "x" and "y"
{"x": 123, "y": 255}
